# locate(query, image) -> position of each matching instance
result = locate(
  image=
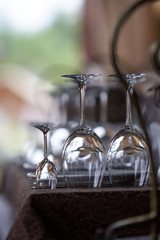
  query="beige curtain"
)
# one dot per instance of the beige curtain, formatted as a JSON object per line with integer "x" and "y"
{"x": 135, "y": 39}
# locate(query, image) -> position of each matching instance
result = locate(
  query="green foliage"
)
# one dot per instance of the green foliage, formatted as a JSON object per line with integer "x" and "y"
{"x": 50, "y": 53}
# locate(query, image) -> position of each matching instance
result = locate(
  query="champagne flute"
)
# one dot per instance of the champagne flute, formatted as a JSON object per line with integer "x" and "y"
{"x": 83, "y": 155}
{"x": 128, "y": 152}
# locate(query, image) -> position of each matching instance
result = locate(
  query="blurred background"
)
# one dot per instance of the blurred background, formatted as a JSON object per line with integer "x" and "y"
{"x": 42, "y": 39}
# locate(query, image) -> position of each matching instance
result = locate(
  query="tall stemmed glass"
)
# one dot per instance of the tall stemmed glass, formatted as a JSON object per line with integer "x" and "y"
{"x": 46, "y": 173}
{"x": 83, "y": 155}
{"x": 128, "y": 153}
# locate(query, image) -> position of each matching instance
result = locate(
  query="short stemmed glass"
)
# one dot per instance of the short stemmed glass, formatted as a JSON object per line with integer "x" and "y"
{"x": 46, "y": 173}
{"x": 128, "y": 152}
{"x": 83, "y": 155}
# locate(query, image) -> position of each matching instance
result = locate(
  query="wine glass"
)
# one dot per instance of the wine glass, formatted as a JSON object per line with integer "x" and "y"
{"x": 83, "y": 155}
{"x": 46, "y": 173}
{"x": 128, "y": 152}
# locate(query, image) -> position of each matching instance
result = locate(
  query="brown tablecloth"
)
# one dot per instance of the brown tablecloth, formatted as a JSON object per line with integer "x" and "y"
{"x": 69, "y": 214}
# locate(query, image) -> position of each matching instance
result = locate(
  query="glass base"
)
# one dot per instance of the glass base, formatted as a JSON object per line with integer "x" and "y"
{"x": 76, "y": 182}
{"x": 124, "y": 178}
{"x": 46, "y": 183}
{"x": 83, "y": 179}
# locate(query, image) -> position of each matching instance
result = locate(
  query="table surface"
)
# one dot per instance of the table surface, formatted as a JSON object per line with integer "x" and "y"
{"x": 69, "y": 214}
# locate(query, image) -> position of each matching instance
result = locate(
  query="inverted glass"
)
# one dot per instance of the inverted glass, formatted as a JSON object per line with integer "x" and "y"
{"x": 128, "y": 153}
{"x": 46, "y": 172}
{"x": 83, "y": 155}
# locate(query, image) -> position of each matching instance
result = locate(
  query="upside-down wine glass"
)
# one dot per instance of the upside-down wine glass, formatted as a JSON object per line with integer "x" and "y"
{"x": 128, "y": 152}
{"x": 83, "y": 155}
{"x": 46, "y": 173}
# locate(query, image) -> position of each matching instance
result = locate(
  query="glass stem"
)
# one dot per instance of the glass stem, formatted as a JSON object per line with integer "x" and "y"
{"x": 82, "y": 97}
{"x": 128, "y": 109}
{"x": 45, "y": 146}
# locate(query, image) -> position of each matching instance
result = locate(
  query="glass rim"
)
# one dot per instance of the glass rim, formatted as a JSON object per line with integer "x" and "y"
{"x": 83, "y": 75}
{"x": 127, "y": 75}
